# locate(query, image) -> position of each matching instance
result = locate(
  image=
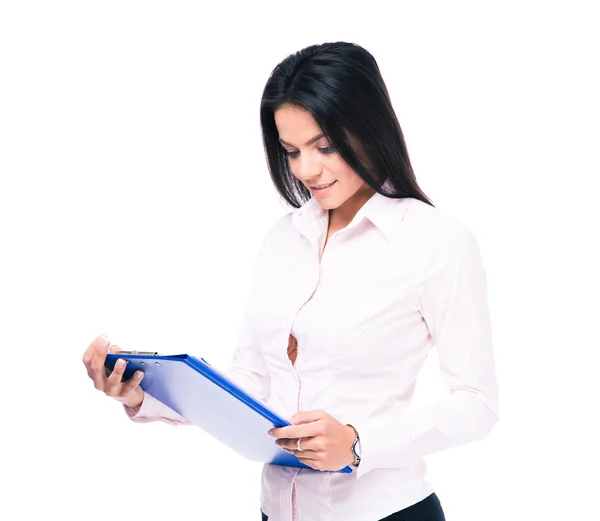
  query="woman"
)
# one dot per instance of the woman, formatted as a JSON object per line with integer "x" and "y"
{"x": 360, "y": 281}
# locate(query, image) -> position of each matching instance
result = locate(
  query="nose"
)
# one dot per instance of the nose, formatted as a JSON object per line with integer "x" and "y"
{"x": 307, "y": 167}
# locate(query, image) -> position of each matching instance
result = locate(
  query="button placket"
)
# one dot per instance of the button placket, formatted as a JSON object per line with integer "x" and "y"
{"x": 299, "y": 351}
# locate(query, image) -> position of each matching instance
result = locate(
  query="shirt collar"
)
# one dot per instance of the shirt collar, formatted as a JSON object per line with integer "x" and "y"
{"x": 383, "y": 212}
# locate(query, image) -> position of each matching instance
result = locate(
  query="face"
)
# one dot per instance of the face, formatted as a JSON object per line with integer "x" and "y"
{"x": 316, "y": 164}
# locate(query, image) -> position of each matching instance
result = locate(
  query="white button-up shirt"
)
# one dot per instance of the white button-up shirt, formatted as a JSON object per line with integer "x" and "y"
{"x": 366, "y": 309}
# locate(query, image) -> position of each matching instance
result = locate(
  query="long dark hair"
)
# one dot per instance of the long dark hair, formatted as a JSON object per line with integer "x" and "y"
{"x": 341, "y": 86}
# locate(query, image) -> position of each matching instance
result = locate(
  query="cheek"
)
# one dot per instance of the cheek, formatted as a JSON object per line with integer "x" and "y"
{"x": 347, "y": 176}
{"x": 293, "y": 167}
{"x": 339, "y": 169}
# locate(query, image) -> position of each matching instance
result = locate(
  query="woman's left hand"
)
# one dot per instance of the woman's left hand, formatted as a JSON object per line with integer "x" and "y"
{"x": 326, "y": 443}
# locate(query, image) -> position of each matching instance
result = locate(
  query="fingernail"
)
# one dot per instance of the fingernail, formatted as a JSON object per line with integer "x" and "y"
{"x": 104, "y": 340}
{"x": 139, "y": 375}
{"x": 120, "y": 363}
{"x": 270, "y": 433}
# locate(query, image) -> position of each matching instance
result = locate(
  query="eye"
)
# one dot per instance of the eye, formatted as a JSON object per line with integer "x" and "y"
{"x": 326, "y": 150}
{"x": 291, "y": 153}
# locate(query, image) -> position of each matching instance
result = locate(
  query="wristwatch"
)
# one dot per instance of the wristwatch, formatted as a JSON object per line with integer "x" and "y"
{"x": 356, "y": 447}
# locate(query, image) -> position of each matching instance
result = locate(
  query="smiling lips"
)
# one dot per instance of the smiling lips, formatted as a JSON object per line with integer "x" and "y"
{"x": 319, "y": 187}
{"x": 322, "y": 189}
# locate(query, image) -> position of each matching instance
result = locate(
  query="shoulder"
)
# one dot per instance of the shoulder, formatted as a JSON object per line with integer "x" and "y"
{"x": 279, "y": 227}
{"x": 431, "y": 228}
{"x": 447, "y": 246}
{"x": 278, "y": 234}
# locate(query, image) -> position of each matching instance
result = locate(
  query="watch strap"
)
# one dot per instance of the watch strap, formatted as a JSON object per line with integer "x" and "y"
{"x": 354, "y": 445}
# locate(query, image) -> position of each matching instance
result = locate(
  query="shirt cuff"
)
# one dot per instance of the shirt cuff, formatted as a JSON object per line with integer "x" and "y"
{"x": 462, "y": 417}
{"x": 153, "y": 410}
{"x": 383, "y": 444}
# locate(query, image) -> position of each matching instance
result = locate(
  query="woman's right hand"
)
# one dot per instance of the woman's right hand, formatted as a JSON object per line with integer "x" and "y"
{"x": 129, "y": 392}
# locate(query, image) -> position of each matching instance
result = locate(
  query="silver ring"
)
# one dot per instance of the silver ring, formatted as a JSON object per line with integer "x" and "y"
{"x": 298, "y": 447}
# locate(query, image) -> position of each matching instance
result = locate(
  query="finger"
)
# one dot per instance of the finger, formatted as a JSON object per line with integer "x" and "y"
{"x": 292, "y": 444}
{"x": 306, "y": 454}
{"x": 308, "y": 458}
{"x": 306, "y": 430}
{"x": 112, "y": 349}
{"x": 99, "y": 355}
{"x": 96, "y": 369}
{"x": 114, "y": 379}
{"x": 309, "y": 416}
{"x": 132, "y": 383}
{"x": 98, "y": 343}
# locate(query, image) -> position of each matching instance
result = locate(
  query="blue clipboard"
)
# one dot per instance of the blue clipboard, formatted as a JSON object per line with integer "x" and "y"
{"x": 209, "y": 399}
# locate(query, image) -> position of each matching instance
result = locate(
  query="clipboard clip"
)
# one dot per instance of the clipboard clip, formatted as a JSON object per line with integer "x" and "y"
{"x": 141, "y": 353}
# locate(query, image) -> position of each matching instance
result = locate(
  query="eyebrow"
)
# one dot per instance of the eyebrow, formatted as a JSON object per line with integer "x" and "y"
{"x": 309, "y": 142}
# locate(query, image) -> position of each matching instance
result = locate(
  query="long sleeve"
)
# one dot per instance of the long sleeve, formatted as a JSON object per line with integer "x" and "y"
{"x": 453, "y": 302}
{"x": 153, "y": 410}
{"x": 248, "y": 368}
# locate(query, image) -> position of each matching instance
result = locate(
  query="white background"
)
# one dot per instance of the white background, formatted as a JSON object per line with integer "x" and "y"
{"x": 134, "y": 195}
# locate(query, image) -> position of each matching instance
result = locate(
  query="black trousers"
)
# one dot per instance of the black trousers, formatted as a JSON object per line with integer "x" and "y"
{"x": 429, "y": 509}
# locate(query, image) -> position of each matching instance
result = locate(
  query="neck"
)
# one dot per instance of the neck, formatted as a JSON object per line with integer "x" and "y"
{"x": 342, "y": 216}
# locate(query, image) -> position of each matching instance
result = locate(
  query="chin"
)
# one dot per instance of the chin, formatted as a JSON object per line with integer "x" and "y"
{"x": 329, "y": 205}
